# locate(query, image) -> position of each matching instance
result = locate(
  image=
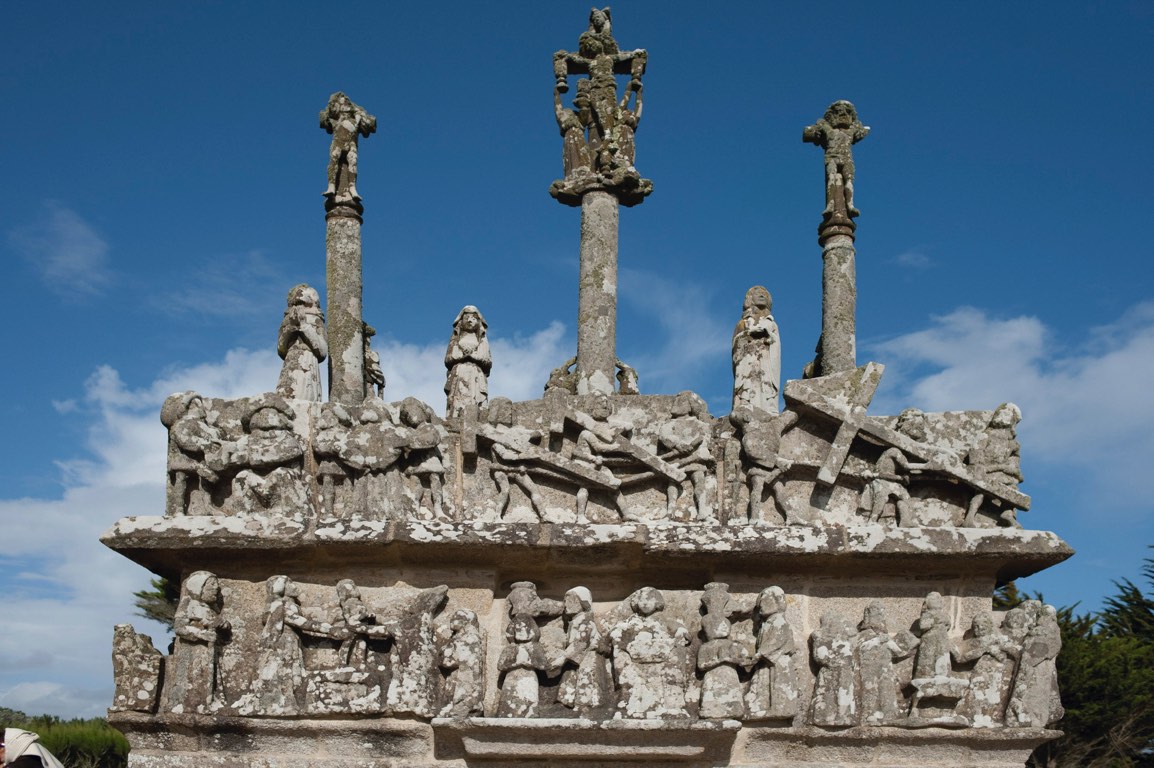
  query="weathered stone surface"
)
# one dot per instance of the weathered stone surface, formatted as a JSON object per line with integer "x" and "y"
{"x": 597, "y": 577}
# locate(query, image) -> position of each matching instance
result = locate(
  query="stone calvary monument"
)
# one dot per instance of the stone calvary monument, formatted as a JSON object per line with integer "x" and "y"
{"x": 598, "y": 576}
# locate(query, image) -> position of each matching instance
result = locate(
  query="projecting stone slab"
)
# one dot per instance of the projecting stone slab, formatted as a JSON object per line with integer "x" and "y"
{"x": 586, "y": 740}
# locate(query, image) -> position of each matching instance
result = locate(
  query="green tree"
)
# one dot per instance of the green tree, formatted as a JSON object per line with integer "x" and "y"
{"x": 159, "y": 602}
{"x": 1106, "y": 675}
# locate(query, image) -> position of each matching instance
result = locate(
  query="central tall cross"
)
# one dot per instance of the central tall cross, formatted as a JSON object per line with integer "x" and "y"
{"x": 599, "y": 150}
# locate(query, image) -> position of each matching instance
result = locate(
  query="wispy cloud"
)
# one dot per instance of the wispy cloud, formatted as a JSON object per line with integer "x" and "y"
{"x": 913, "y": 259}
{"x": 693, "y": 334}
{"x": 229, "y": 286}
{"x": 1085, "y": 402}
{"x": 67, "y": 253}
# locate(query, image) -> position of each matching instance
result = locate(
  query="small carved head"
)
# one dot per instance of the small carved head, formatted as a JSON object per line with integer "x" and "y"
{"x": 912, "y": 423}
{"x": 1006, "y": 416}
{"x": 522, "y": 629}
{"x": 470, "y": 320}
{"x": 500, "y": 411}
{"x": 340, "y": 104}
{"x": 647, "y": 601}
{"x": 771, "y": 600}
{"x": 757, "y": 299}
{"x": 841, "y": 114}
{"x": 874, "y": 618}
{"x": 414, "y": 413}
{"x": 577, "y": 600}
{"x": 982, "y": 625}
{"x": 600, "y": 19}
{"x": 462, "y": 619}
{"x": 346, "y": 589}
{"x": 303, "y": 295}
{"x": 203, "y": 586}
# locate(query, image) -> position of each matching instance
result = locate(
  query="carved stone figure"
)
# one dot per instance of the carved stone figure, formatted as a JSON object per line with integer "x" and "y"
{"x": 683, "y": 441}
{"x": 563, "y": 379}
{"x": 877, "y": 651}
{"x": 610, "y": 124}
{"x": 461, "y": 662}
{"x": 279, "y": 686}
{"x": 626, "y": 380}
{"x": 522, "y": 660}
{"x": 523, "y": 600}
{"x": 374, "y": 376}
{"x": 515, "y": 451}
{"x": 192, "y": 439}
{"x": 575, "y": 157}
{"x": 373, "y": 449}
{"x": 773, "y": 690}
{"x": 468, "y": 361}
{"x": 756, "y": 354}
{"x": 989, "y": 650}
{"x": 359, "y": 626}
{"x": 598, "y": 440}
{"x": 302, "y": 345}
{"x": 414, "y": 660}
{"x": 887, "y": 481}
{"x": 271, "y": 455}
{"x": 649, "y": 661}
{"x": 933, "y": 669}
{"x": 836, "y": 133}
{"x": 193, "y": 685}
{"x": 995, "y": 458}
{"x": 346, "y": 122}
{"x": 834, "y": 696}
{"x": 1034, "y": 702}
{"x": 763, "y": 463}
{"x": 584, "y": 661}
{"x": 136, "y": 667}
{"x": 330, "y": 444}
{"x": 422, "y": 455}
{"x": 719, "y": 659}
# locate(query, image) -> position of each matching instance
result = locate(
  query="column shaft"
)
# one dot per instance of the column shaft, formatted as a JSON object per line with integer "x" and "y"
{"x": 597, "y": 296}
{"x": 838, "y": 305}
{"x": 344, "y": 316}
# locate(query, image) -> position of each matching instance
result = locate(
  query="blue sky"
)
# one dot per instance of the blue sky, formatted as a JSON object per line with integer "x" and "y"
{"x": 163, "y": 170}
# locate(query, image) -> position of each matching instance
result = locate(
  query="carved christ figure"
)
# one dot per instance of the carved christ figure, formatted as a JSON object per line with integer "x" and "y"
{"x": 836, "y": 133}
{"x": 346, "y": 122}
{"x": 599, "y": 57}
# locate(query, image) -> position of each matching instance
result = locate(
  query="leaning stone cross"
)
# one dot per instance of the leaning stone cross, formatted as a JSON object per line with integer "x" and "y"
{"x": 843, "y": 397}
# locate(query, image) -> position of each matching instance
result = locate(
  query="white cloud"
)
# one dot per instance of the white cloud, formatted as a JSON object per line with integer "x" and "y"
{"x": 914, "y": 259}
{"x": 69, "y": 255}
{"x": 64, "y": 591}
{"x": 693, "y": 335}
{"x": 1085, "y": 402}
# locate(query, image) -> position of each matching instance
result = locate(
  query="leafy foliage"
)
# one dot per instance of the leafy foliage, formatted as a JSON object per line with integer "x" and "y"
{"x": 1106, "y": 675}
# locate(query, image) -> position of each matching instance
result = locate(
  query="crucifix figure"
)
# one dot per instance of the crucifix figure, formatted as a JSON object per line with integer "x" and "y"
{"x": 345, "y": 121}
{"x": 836, "y": 133}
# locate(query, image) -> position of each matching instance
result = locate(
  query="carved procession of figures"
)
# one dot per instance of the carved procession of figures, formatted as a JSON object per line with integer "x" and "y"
{"x": 656, "y": 655}
{"x": 566, "y": 458}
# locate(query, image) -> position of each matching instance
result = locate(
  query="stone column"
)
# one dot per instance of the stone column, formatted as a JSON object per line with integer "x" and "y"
{"x": 597, "y": 294}
{"x": 345, "y": 323}
{"x": 838, "y": 301}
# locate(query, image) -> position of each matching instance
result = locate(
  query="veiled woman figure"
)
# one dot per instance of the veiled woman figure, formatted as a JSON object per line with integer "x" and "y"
{"x": 1034, "y": 702}
{"x": 988, "y": 648}
{"x": 756, "y": 354}
{"x": 199, "y": 629}
{"x": 469, "y": 361}
{"x": 302, "y": 345}
{"x": 773, "y": 688}
{"x": 834, "y": 699}
{"x": 584, "y": 662}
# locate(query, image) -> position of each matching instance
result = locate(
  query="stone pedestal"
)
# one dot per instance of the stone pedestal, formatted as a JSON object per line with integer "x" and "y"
{"x": 344, "y": 313}
{"x": 597, "y": 294}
